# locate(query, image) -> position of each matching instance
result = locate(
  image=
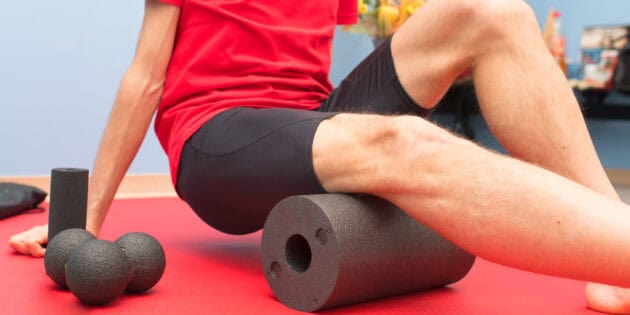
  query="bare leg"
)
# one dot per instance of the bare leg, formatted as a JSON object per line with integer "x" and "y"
{"x": 523, "y": 95}
{"x": 496, "y": 207}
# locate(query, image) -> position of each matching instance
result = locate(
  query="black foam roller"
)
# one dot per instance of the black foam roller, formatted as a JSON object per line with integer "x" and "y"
{"x": 323, "y": 251}
{"x": 68, "y": 200}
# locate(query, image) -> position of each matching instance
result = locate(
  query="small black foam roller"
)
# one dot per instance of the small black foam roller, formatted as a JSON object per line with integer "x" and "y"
{"x": 68, "y": 200}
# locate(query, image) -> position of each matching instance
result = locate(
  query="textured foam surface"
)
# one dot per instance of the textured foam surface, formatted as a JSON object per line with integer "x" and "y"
{"x": 97, "y": 272}
{"x": 323, "y": 251}
{"x": 58, "y": 251}
{"x": 213, "y": 273}
{"x": 68, "y": 199}
{"x": 147, "y": 260}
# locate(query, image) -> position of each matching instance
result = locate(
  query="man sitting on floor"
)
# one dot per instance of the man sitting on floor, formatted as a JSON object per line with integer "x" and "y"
{"x": 247, "y": 116}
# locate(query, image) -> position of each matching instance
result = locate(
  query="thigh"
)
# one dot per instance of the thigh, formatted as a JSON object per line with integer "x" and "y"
{"x": 245, "y": 160}
{"x": 373, "y": 87}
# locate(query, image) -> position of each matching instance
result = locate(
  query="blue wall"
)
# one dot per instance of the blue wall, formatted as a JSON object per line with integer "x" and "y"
{"x": 60, "y": 66}
{"x": 611, "y": 137}
{"x": 580, "y": 13}
{"x": 61, "y": 62}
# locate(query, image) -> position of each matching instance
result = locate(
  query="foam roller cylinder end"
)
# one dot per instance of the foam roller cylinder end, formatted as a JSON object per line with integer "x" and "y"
{"x": 323, "y": 251}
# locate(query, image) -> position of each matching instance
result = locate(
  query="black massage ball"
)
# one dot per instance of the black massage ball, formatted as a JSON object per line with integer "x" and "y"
{"x": 97, "y": 272}
{"x": 147, "y": 260}
{"x": 58, "y": 251}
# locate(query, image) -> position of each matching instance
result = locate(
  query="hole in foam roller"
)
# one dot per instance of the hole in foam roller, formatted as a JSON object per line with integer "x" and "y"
{"x": 298, "y": 253}
{"x": 275, "y": 270}
{"x": 321, "y": 236}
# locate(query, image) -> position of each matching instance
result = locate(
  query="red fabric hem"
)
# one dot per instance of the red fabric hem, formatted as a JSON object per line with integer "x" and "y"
{"x": 177, "y": 3}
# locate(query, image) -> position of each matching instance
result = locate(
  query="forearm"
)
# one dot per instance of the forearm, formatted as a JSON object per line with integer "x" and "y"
{"x": 137, "y": 99}
{"x": 127, "y": 126}
{"x": 139, "y": 94}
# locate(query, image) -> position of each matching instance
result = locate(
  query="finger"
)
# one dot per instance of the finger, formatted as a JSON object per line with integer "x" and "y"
{"x": 40, "y": 234}
{"x": 36, "y": 239}
{"x": 18, "y": 245}
{"x": 30, "y": 242}
{"x": 35, "y": 249}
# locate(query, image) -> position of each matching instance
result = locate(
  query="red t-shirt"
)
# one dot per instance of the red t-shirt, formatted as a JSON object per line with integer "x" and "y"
{"x": 229, "y": 53}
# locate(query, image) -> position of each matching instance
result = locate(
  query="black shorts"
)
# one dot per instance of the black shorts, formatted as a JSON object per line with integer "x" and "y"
{"x": 238, "y": 165}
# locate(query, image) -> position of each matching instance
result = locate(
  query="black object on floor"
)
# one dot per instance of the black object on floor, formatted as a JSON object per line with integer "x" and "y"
{"x": 17, "y": 198}
{"x": 58, "y": 251}
{"x": 147, "y": 260}
{"x": 68, "y": 200}
{"x": 323, "y": 251}
{"x": 97, "y": 272}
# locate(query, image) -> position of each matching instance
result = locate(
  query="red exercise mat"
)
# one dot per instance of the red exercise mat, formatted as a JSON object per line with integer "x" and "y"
{"x": 209, "y": 272}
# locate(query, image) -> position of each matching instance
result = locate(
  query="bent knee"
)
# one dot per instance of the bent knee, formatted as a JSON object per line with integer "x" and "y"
{"x": 500, "y": 19}
{"x": 491, "y": 19}
{"x": 370, "y": 153}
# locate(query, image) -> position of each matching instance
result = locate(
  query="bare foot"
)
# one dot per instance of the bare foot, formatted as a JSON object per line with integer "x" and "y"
{"x": 608, "y": 299}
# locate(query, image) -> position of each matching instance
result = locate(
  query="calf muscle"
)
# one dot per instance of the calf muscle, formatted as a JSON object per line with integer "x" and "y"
{"x": 494, "y": 206}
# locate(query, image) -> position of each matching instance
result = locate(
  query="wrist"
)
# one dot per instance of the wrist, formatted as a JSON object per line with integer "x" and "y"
{"x": 93, "y": 229}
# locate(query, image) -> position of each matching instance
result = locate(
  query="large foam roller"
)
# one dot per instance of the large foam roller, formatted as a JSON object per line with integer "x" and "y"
{"x": 68, "y": 199}
{"x": 323, "y": 251}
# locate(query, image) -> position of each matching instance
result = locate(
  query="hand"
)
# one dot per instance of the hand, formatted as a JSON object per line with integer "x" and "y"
{"x": 607, "y": 299}
{"x": 31, "y": 242}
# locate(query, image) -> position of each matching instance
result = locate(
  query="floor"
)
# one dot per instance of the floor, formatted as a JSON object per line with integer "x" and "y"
{"x": 209, "y": 272}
